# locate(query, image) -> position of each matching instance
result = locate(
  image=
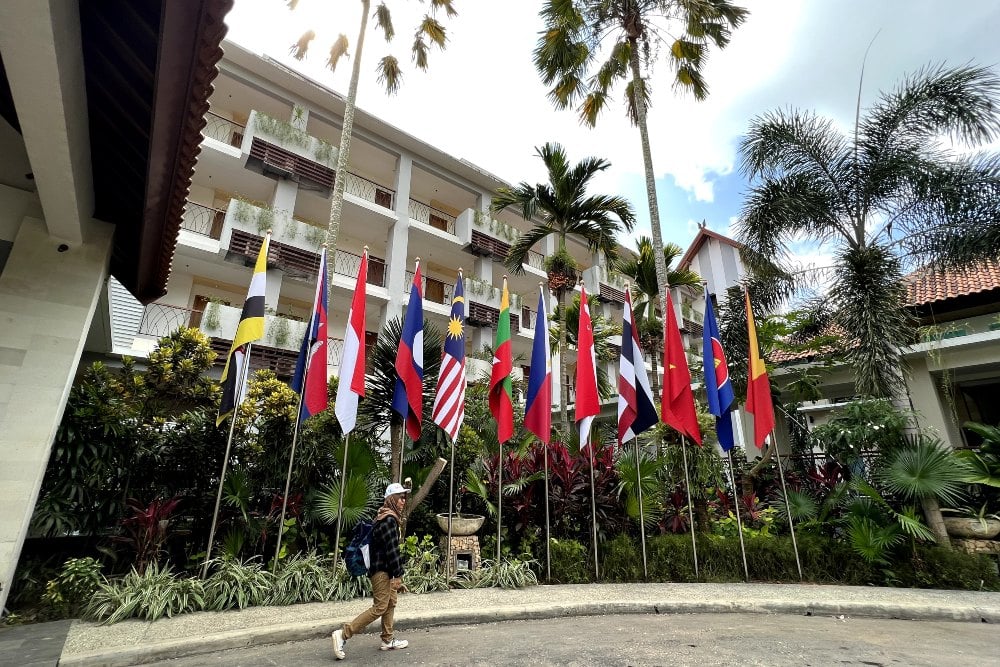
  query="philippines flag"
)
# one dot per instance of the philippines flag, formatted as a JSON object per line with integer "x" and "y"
{"x": 636, "y": 410}
{"x": 588, "y": 404}
{"x": 718, "y": 388}
{"x": 449, "y": 403}
{"x": 351, "y": 384}
{"x": 538, "y": 407}
{"x": 408, "y": 397}
{"x": 311, "y": 365}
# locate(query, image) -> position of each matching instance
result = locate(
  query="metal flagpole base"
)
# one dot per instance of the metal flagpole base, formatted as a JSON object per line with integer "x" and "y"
{"x": 788, "y": 508}
{"x": 548, "y": 540}
{"x": 687, "y": 485}
{"x": 499, "y": 500}
{"x": 739, "y": 522}
{"x": 642, "y": 517}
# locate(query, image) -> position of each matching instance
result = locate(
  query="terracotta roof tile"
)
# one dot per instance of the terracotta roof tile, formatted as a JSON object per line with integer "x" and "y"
{"x": 925, "y": 286}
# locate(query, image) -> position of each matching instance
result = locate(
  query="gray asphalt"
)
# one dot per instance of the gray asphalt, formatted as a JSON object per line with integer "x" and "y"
{"x": 686, "y": 639}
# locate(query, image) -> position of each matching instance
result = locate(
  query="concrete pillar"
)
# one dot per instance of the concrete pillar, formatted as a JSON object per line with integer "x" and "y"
{"x": 285, "y": 192}
{"x": 482, "y": 269}
{"x": 397, "y": 241}
{"x": 272, "y": 288}
{"x": 47, "y": 302}
{"x": 932, "y": 413}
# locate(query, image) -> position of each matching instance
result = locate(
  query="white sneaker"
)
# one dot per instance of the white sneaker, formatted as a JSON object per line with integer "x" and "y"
{"x": 393, "y": 644}
{"x": 338, "y": 644}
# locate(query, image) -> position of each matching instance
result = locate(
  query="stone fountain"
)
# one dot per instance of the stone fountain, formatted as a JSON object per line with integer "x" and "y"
{"x": 463, "y": 555}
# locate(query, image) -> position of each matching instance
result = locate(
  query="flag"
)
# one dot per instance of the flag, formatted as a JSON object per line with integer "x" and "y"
{"x": 587, "y": 403}
{"x": 250, "y": 328}
{"x": 717, "y": 385}
{"x": 758, "y": 387}
{"x": 408, "y": 397}
{"x": 501, "y": 390}
{"x": 538, "y": 405}
{"x": 449, "y": 403}
{"x": 678, "y": 399}
{"x": 636, "y": 410}
{"x": 351, "y": 376}
{"x": 312, "y": 354}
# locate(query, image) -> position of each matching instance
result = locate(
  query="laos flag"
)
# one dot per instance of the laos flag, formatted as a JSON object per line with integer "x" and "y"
{"x": 408, "y": 397}
{"x": 717, "y": 385}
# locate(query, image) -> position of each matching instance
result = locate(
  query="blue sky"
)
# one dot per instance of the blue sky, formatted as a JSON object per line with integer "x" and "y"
{"x": 482, "y": 99}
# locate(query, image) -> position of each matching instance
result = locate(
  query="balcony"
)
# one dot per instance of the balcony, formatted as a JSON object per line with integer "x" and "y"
{"x": 223, "y": 130}
{"x": 607, "y": 285}
{"x": 203, "y": 220}
{"x": 482, "y": 235}
{"x": 434, "y": 290}
{"x": 277, "y": 148}
{"x": 432, "y": 217}
{"x": 483, "y": 305}
{"x": 369, "y": 191}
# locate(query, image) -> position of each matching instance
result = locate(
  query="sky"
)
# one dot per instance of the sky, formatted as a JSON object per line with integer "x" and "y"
{"x": 483, "y": 101}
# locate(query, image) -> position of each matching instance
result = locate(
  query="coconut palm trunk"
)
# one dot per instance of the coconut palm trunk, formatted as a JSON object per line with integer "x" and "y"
{"x": 935, "y": 521}
{"x": 647, "y": 164}
{"x": 344, "y": 152}
{"x": 563, "y": 382}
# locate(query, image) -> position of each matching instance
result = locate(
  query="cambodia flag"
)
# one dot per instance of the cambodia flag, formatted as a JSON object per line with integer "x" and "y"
{"x": 311, "y": 365}
{"x": 588, "y": 403}
{"x": 759, "y": 402}
{"x": 678, "y": 399}
{"x": 351, "y": 386}
{"x": 538, "y": 408}
{"x": 408, "y": 397}
{"x": 717, "y": 385}
{"x": 636, "y": 410}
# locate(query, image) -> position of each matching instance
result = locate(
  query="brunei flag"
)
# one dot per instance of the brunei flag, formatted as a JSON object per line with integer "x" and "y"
{"x": 501, "y": 387}
{"x": 251, "y": 328}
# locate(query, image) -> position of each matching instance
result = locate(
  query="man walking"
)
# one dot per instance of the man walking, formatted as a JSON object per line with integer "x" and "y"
{"x": 385, "y": 571}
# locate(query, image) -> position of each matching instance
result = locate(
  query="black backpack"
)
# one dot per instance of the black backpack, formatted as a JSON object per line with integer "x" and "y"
{"x": 356, "y": 556}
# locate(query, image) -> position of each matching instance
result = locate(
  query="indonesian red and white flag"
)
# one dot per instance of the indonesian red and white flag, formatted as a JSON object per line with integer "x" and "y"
{"x": 351, "y": 385}
{"x": 588, "y": 404}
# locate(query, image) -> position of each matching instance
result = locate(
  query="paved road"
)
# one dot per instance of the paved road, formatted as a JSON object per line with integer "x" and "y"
{"x": 696, "y": 639}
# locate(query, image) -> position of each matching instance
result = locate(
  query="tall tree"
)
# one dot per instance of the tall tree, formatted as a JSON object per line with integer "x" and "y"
{"x": 871, "y": 195}
{"x": 631, "y": 33}
{"x": 564, "y": 209}
{"x": 641, "y": 270}
{"x": 429, "y": 32}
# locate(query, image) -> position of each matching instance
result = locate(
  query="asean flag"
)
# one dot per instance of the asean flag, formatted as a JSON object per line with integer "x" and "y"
{"x": 408, "y": 397}
{"x": 718, "y": 388}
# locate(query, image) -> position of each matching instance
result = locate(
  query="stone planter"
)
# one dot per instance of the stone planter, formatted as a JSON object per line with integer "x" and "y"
{"x": 461, "y": 524}
{"x": 971, "y": 528}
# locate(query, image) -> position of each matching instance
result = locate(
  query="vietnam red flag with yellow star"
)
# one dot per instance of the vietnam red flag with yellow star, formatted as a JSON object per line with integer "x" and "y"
{"x": 677, "y": 405}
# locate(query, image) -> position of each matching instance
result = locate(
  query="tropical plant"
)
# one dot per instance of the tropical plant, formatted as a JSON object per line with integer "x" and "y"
{"x": 630, "y": 33}
{"x": 565, "y": 210}
{"x": 71, "y": 589}
{"x": 145, "y": 531}
{"x": 640, "y": 478}
{"x": 870, "y": 197}
{"x": 429, "y": 32}
{"x": 150, "y": 595}
{"x": 506, "y": 573}
{"x": 928, "y": 472}
{"x": 641, "y": 270}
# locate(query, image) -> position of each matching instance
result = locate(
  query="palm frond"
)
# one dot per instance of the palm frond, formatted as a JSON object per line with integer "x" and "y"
{"x": 299, "y": 49}
{"x": 389, "y": 74}
{"x": 383, "y": 20}
{"x": 337, "y": 51}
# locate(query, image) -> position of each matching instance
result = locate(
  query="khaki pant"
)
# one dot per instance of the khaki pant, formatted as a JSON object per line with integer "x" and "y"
{"x": 384, "y": 605}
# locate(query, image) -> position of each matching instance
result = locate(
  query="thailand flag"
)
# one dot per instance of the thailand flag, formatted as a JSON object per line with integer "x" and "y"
{"x": 311, "y": 365}
{"x": 588, "y": 404}
{"x": 449, "y": 403}
{"x": 718, "y": 388}
{"x": 408, "y": 397}
{"x": 636, "y": 410}
{"x": 351, "y": 385}
{"x": 538, "y": 408}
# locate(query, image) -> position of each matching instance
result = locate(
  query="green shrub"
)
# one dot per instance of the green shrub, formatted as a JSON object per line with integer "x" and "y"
{"x": 508, "y": 573}
{"x": 422, "y": 573}
{"x": 151, "y": 595}
{"x": 72, "y": 588}
{"x": 302, "y": 578}
{"x": 570, "y": 562}
{"x": 934, "y": 567}
{"x": 238, "y": 584}
{"x": 621, "y": 559}
{"x": 670, "y": 558}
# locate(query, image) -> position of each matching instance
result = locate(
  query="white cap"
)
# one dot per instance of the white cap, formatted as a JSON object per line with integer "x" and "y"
{"x": 395, "y": 488}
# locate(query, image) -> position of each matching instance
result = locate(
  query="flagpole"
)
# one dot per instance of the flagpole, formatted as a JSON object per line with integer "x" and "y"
{"x": 548, "y": 548}
{"x": 499, "y": 499}
{"x": 788, "y": 507}
{"x": 340, "y": 501}
{"x": 225, "y": 461}
{"x": 451, "y": 511}
{"x": 739, "y": 521}
{"x": 642, "y": 518}
{"x": 288, "y": 477}
{"x": 593, "y": 501}
{"x": 687, "y": 484}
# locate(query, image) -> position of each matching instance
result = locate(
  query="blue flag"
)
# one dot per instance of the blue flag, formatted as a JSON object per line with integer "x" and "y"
{"x": 408, "y": 397}
{"x": 717, "y": 385}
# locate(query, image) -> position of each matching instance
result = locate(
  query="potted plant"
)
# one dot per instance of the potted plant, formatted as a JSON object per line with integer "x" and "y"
{"x": 972, "y": 524}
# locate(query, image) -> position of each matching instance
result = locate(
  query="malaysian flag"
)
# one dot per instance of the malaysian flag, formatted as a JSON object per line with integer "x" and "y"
{"x": 449, "y": 404}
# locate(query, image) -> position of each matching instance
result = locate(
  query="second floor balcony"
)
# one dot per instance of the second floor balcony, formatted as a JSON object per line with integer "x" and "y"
{"x": 607, "y": 285}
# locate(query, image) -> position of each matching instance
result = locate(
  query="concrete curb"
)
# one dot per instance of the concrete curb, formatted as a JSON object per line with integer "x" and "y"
{"x": 276, "y": 634}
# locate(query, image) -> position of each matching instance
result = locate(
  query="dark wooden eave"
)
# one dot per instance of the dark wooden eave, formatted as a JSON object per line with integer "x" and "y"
{"x": 149, "y": 67}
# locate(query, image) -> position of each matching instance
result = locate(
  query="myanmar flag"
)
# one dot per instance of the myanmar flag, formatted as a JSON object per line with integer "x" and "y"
{"x": 501, "y": 390}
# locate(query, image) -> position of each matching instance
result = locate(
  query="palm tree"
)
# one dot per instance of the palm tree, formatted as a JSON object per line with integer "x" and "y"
{"x": 576, "y": 31}
{"x": 868, "y": 196}
{"x": 565, "y": 210}
{"x": 641, "y": 270}
{"x": 390, "y": 75}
